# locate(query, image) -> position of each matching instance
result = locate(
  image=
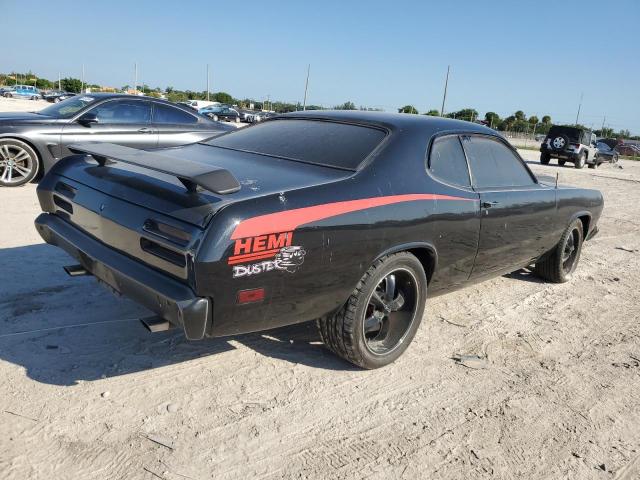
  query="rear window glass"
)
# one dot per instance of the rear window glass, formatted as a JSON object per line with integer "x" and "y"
{"x": 319, "y": 142}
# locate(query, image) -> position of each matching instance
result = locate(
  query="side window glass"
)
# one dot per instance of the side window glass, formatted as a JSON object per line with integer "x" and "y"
{"x": 167, "y": 114}
{"x": 447, "y": 161}
{"x": 125, "y": 111}
{"x": 492, "y": 164}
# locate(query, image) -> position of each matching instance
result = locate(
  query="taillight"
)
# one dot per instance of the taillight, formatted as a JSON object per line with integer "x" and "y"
{"x": 250, "y": 296}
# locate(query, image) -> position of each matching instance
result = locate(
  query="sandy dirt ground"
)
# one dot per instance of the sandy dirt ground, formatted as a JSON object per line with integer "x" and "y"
{"x": 88, "y": 393}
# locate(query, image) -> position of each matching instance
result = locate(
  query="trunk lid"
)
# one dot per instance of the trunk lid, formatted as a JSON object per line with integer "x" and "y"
{"x": 258, "y": 175}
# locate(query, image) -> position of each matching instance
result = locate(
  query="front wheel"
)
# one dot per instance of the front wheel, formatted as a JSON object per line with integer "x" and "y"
{"x": 558, "y": 265}
{"x": 18, "y": 163}
{"x": 382, "y": 315}
{"x": 581, "y": 161}
{"x": 237, "y": 120}
{"x": 545, "y": 158}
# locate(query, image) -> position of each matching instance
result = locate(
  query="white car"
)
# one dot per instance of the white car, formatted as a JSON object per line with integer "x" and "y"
{"x": 198, "y": 104}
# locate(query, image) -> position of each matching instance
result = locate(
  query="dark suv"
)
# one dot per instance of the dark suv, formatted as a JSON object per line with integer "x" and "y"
{"x": 569, "y": 144}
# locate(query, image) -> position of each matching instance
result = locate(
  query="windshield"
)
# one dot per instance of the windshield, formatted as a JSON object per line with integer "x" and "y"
{"x": 67, "y": 108}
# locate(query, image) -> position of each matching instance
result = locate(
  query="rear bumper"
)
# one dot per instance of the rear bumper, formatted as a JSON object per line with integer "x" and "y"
{"x": 161, "y": 294}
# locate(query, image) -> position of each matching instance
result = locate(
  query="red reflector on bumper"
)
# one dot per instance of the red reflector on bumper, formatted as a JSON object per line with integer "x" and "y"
{"x": 250, "y": 296}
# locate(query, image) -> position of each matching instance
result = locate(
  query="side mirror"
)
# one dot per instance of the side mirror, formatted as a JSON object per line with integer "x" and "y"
{"x": 87, "y": 119}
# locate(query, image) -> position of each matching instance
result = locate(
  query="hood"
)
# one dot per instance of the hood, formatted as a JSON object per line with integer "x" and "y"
{"x": 20, "y": 117}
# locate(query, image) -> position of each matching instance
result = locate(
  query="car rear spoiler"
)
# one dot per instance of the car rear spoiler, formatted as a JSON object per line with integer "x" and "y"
{"x": 191, "y": 174}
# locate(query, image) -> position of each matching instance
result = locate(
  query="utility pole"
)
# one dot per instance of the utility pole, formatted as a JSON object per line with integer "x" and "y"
{"x": 207, "y": 82}
{"x": 135, "y": 78}
{"x": 59, "y": 82}
{"x": 306, "y": 85}
{"x": 444, "y": 97}
{"x": 579, "y": 107}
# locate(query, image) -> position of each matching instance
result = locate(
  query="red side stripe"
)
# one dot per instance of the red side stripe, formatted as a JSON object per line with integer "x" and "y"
{"x": 289, "y": 220}
{"x": 260, "y": 256}
{"x": 253, "y": 256}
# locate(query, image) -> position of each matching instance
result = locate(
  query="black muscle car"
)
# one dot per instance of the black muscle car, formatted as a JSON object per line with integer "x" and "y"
{"x": 348, "y": 218}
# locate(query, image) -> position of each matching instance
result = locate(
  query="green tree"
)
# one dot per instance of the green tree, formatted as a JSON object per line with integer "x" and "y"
{"x": 346, "y": 106}
{"x": 433, "y": 113}
{"x": 533, "y": 120}
{"x": 520, "y": 115}
{"x": 546, "y": 119}
{"x": 44, "y": 84}
{"x": 492, "y": 119}
{"x": 223, "y": 97}
{"x": 469, "y": 114}
{"x": 408, "y": 109}
{"x": 71, "y": 84}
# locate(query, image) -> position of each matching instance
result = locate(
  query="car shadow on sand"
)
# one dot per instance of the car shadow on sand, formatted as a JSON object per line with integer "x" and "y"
{"x": 524, "y": 274}
{"x": 62, "y": 330}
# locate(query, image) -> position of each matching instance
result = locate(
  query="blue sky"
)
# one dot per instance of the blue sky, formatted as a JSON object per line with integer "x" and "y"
{"x": 504, "y": 56}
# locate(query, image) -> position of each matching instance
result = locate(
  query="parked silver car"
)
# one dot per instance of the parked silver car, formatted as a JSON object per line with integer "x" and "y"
{"x": 31, "y": 142}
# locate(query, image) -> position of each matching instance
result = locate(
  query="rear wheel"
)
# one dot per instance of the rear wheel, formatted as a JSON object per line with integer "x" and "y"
{"x": 559, "y": 264}
{"x": 544, "y": 158}
{"x": 381, "y": 316}
{"x": 18, "y": 163}
{"x": 581, "y": 161}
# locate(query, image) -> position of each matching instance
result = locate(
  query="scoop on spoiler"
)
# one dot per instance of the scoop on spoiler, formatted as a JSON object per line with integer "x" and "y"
{"x": 191, "y": 174}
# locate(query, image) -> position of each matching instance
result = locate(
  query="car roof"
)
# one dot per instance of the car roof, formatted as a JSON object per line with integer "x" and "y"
{"x": 394, "y": 121}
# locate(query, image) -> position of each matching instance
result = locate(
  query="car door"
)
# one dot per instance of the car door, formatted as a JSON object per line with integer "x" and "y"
{"x": 593, "y": 149}
{"x": 122, "y": 121}
{"x": 517, "y": 214}
{"x": 457, "y": 223}
{"x": 175, "y": 126}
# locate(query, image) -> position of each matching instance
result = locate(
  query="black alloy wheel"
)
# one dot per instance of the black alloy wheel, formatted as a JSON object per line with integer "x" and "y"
{"x": 379, "y": 320}
{"x": 390, "y": 311}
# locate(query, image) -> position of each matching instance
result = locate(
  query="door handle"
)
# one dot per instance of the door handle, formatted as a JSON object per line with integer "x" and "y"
{"x": 145, "y": 130}
{"x": 489, "y": 204}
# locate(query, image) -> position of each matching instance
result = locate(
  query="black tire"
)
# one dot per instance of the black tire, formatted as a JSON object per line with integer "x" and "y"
{"x": 345, "y": 332}
{"x": 558, "y": 265}
{"x": 562, "y": 162}
{"x": 593, "y": 165}
{"x": 581, "y": 161}
{"x": 17, "y": 157}
{"x": 559, "y": 142}
{"x": 545, "y": 158}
